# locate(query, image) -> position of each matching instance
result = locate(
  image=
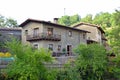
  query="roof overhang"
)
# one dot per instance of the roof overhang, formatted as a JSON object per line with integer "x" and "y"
{"x": 50, "y": 23}
{"x": 82, "y": 23}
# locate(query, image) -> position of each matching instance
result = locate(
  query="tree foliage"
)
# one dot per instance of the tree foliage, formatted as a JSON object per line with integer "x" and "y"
{"x": 7, "y": 22}
{"x": 64, "y": 20}
{"x": 28, "y": 64}
{"x": 87, "y": 18}
{"x": 74, "y": 19}
{"x": 110, "y": 22}
{"x": 69, "y": 73}
{"x": 69, "y": 20}
{"x": 114, "y": 32}
{"x": 115, "y": 18}
{"x": 91, "y": 61}
{"x": 103, "y": 19}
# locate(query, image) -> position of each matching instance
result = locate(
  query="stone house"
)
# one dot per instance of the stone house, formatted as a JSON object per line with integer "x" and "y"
{"x": 5, "y": 35}
{"x": 53, "y": 36}
{"x": 96, "y": 35}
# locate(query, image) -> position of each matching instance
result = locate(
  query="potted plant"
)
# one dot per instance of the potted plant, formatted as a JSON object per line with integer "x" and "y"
{"x": 64, "y": 50}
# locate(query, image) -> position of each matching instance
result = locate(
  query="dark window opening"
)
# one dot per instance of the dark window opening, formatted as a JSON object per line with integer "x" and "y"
{"x": 50, "y": 31}
{"x": 35, "y": 46}
{"x": 36, "y": 32}
{"x": 84, "y": 36}
{"x": 50, "y": 47}
{"x": 59, "y": 47}
{"x": 70, "y": 33}
{"x": 26, "y": 32}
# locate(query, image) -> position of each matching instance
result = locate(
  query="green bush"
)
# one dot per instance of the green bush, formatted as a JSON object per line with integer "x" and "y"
{"x": 91, "y": 61}
{"x": 68, "y": 73}
{"x": 29, "y": 63}
{"x": 114, "y": 67}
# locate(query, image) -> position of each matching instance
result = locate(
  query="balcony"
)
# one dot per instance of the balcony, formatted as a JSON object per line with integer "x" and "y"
{"x": 43, "y": 36}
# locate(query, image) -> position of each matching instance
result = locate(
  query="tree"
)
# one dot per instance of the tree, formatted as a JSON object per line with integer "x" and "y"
{"x": 11, "y": 23}
{"x": 87, "y": 18}
{"x": 74, "y": 19}
{"x": 91, "y": 61}
{"x": 69, "y": 20}
{"x": 2, "y": 21}
{"x": 64, "y": 20}
{"x": 29, "y": 63}
{"x": 114, "y": 32}
{"x": 70, "y": 72}
{"x": 7, "y": 22}
{"x": 103, "y": 19}
{"x": 115, "y": 18}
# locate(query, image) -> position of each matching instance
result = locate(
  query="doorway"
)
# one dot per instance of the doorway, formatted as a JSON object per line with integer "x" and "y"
{"x": 69, "y": 50}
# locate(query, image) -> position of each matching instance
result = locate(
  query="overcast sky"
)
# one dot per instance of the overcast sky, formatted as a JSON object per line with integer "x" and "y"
{"x": 46, "y": 10}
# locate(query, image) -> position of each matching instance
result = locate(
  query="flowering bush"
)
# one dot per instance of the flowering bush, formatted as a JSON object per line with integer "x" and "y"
{"x": 7, "y": 54}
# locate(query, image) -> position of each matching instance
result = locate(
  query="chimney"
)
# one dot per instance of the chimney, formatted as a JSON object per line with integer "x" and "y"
{"x": 56, "y": 20}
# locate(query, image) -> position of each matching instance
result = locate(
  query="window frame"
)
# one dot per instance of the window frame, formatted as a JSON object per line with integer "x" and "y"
{"x": 84, "y": 36}
{"x": 36, "y": 47}
{"x": 70, "y": 33}
{"x": 26, "y": 32}
{"x": 50, "y": 47}
{"x": 35, "y": 32}
{"x": 59, "y": 47}
{"x": 50, "y": 31}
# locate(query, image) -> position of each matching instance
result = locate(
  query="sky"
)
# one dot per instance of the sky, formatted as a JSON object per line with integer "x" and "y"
{"x": 21, "y": 10}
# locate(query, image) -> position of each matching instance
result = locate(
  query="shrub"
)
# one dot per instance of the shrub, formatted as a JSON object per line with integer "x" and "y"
{"x": 91, "y": 61}
{"x": 29, "y": 63}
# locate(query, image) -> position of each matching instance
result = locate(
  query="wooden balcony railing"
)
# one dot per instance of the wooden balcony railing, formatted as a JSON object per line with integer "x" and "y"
{"x": 43, "y": 36}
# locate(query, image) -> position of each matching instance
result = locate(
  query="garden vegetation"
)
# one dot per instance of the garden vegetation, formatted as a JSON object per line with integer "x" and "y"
{"x": 92, "y": 63}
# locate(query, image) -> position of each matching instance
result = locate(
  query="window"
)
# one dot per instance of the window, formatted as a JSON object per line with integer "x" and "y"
{"x": 50, "y": 47}
{"x": 50, "y": 31}
{"x": 35, "y": 46}
{"x": 59, "y": 47}
{"x": 69, "y": 49}
{"x": 88, "y": 38}
{"x": 26, "y": 32}
{"x": 36, "y": 32}
{"x": 70, "y": 33}
{"x": 84, "y": 36}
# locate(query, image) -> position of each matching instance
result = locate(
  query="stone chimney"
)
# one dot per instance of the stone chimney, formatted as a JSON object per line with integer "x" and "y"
{"x": 56, "y": 20}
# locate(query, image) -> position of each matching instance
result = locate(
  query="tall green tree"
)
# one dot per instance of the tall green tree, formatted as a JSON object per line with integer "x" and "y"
{"x": 69, "y": 20}
{"x": 29, "y": 63}
{"x": 91, "y": 61}
{"x": 114, "y": 39}
{"x": 74, "y": 19}
{"x": 87, "y": 18}
{"x": 64, "y": 20}
{"x": 116, "y": 18}
{"x": 114, "y": 33}
{"x": 11, "y": 22}
{"x": 103, "y": 19}
{"x": 7, "y": 22}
